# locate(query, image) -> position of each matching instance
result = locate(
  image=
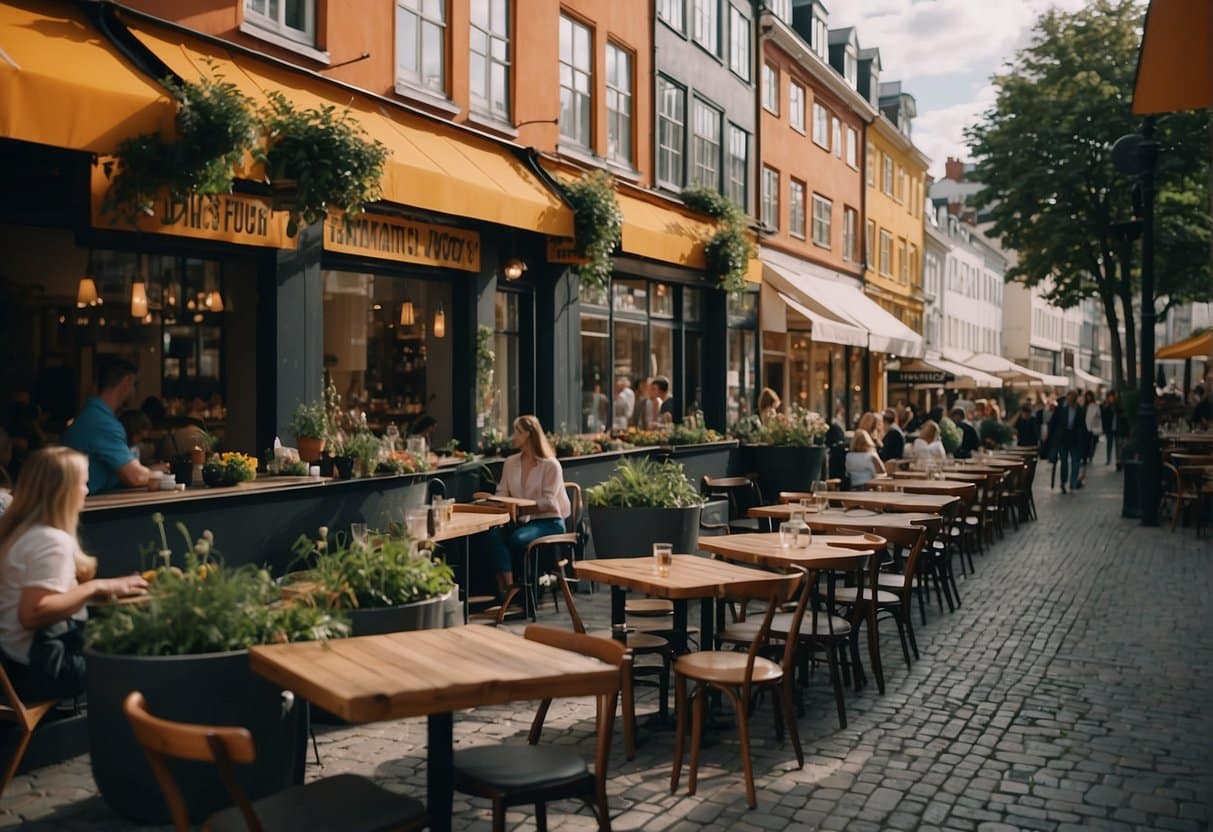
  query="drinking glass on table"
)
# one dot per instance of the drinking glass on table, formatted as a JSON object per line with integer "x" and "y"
{"x": 810, "y": 505}
{"x": 663, "y": 558}
{"x": 417, "y": 520}
{"x": 358, "y": 534}
{"x": 789, "y": 532}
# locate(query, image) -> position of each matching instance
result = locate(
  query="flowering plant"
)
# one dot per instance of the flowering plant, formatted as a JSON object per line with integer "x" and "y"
{"x": 796, "y": 428}
{"x": 387, "y": 571}
{"x": 230, "y": 468}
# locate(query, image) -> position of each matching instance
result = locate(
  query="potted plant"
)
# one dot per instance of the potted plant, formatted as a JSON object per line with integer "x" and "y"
{"x": 365, "y": 449}
{"x": 950, "y": 436}
{"x": 317, "y": 160}
{"x": 310, "y": 425}
{"x": 386, "y": 585}
{"x": 729, "y": 250}
{"x": 229, "y": 469}
{"x": 186, "y": 650}
{"x": 597, "y": 225}
{"x": 995, "y": 433}
{"x": 787, "y": 450}
{"x": 642, "y": 503}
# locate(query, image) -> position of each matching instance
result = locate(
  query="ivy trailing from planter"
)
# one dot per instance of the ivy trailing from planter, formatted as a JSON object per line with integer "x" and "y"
{"x": 215, "y": 127}
{"x": 597, "y": 225}
{"x": 318, "y": 159}
{"x": 728, "y": 252}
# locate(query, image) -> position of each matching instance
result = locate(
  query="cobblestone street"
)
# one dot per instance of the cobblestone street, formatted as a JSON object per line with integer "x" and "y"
{"x": 1072, "y": 690}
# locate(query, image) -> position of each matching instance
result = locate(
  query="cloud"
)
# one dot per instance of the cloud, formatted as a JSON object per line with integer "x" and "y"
{"x": 939, "y": 133}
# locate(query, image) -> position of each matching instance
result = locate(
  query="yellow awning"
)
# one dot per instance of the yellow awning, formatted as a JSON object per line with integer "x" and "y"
{"x": 62, "y": 83}
{"x": 668, "y": 234}
{"x": 433, "y": 166}
{"x": 1175, "y": 65}
{"x": 1195, "y": 346}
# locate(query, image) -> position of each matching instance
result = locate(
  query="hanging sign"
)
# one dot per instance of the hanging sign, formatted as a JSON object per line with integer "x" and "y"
{"x": 920, "y": 377}
{"x": 564, "y": 250}
{"x": 230, "y": 218}
{"x": 403, "y": 240}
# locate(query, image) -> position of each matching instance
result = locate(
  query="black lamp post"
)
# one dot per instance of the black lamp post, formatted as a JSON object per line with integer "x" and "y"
{"x": 1136, "y": 154}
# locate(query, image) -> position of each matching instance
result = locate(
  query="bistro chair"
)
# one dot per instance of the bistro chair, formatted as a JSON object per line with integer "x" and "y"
{"x": 908, "y": 543}
{"x": 742, "y": 494}
{"x": 737, "y": 676}
{"x": 518, "y": 775}
{"x": 25, "y": 717}
{"x": 554, "y": 547}
{"x": 344, "y": 801}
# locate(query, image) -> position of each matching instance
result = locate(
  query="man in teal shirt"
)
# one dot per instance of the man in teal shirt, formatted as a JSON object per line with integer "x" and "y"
{"x": 97, "y": 433}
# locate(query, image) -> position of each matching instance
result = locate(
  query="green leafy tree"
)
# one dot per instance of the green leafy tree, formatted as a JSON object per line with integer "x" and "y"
{"x": 1042, "y": 151}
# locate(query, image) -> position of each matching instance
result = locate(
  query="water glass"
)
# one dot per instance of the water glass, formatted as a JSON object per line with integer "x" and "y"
{"x": 819, "y": 487}
{"x": 663, "y": 558}
{"x": 358, "y": 534}
{"x": 415, "y": 445}
{"x": 417, "y": 521}
{"x": 809, "y": 505}
{"x": 789, "y": 533}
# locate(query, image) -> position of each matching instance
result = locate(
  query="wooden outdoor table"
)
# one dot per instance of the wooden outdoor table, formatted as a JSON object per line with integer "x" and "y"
{"x": 892, "y": 500}
{"x": 429, "y": 673}
{"x": 468, "y": 520}
{"x": 950, "y": 488}
{"x": 1190, "y": 438}
{"x": 826, "y": 551}
{"x": 690, "y": 577}
{"x": 952, "y": 476}
{"x": 861, "y": 520}
{"x": 514, "y": 505}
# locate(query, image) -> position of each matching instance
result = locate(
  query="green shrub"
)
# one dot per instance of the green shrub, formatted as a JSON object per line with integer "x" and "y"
{"x": 597, "y": 225}
{"x": 387, "y": 572}
{"x": 643, "y": 483}
{"x": 996, "y": 431}
{"x": 797, "y": 428}
{"x": 949, "y": 435}
{"x": 310, "y": 421}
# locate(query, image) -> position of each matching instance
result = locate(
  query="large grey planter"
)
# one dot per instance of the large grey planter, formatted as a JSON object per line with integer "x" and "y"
{"x": 419, "y": 615}
{"x": 631, "y": 532}
{"x": 784, "y": 468}
{"x": 211, "y": 689}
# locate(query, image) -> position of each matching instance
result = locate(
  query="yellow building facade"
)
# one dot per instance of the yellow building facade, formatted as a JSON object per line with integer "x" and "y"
{"x": 893, "y": 230}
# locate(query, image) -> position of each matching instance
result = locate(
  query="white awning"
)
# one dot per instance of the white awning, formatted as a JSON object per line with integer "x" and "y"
{"x": 843, "y": 305}
{"x": 1083, "y": 377}
{"x": 1014, "y": 374}
{"x": 826, "y": 328}
{"x": 963, "y": 378}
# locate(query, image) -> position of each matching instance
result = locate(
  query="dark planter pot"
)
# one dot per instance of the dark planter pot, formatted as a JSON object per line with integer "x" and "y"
{"x": 419, "y": 615}
{"x": 211, "y": 689}
{"x": 183, "y": 470}
{"x": 1131, "y": 504}
{"x": 782, "y": 468}
{"x": 216, "y": 478}
{"x": 326, "y": 466}
{"x": 631, "y": 532}
{"x": 343, "y": 467}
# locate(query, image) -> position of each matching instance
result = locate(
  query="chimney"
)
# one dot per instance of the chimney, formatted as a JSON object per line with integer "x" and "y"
{"x": 954, "y": 169}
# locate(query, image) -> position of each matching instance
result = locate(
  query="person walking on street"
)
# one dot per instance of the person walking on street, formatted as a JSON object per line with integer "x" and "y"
{"x": 1068, "y": 440}
{"x": 1094, "y": 419}
{"x": 1110, "y": 415}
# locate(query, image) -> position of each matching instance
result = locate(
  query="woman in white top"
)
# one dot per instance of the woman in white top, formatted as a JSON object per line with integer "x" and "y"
{"x": 533, "y": 473}
{"x": 1094, "y": 420}
{"x": 863, "y": 463}
{"x": 927, "y": 447}
{"x": 45, "y": 580}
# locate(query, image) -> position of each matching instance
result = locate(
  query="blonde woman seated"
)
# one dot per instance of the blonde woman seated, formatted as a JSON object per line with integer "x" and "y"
{"x": 45, "y": 580}
{"x": 871, "y": 423}
{"x": 863, "y": 463}
{"x": 533, "y": 473}
{"x": 927, "y": 449}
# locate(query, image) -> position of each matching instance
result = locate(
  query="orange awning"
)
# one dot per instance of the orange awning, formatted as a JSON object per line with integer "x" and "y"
{"x": 1175, "y": 65}
{"x": 1195, "y": 346}
{"x": 432, "y": 165}
{"x": 62, "y": 83}
{"x": 670, "y": 235}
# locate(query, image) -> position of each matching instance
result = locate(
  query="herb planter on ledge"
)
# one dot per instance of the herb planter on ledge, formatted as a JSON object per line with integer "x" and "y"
{"x": 644, "y": 502}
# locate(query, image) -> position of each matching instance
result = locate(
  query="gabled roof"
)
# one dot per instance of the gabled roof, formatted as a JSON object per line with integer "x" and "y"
{"x": 845, "y": 35}
{"x": 871, "y": 54}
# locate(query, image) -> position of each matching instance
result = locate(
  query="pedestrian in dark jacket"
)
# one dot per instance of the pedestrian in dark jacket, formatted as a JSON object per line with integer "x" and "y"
{"x": 969, "y": 438}
{"x": 894, "y": 441}
{"x": 1068, "y": 439}
{"x": 1026, "y": 426}
{"x": 1112, "y": 416}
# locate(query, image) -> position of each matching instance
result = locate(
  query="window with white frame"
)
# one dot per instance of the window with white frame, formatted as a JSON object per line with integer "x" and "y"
{"x": 853, "y": 147}
{"x": 870, "y": 245}
{"x": 821, "y": 38}
{"x": 900, "y": 193}
{"x": 850, "y": 66}
{"x": 421, "y": 44}
{"x": 739, "y": 43}
{"x": 489, "y": 58}
{"x": 822, "y": 209}
{"x": 737, "y": 166}
{"x": 705, "y": 145}
{"x": 292, "y": 19}
{"x": 903, "y": 266}
{"x": 836, "y": 137}
{"x": 671, "y": 132}
{"x": 796, "y": 208}
{"x": 673, "y": 13}
{"x": 619, "y": 104}
{"x": 781, "y": 9}
{"x": 576, "y": 76}
{"x": 850, "y": 226}
{"x": 770, "y": 88}
{"x": 886, "y": 253}
{"x": 705, "y": 24}
{"x": 915, "y": 274}
{"x": 886, "y": 174}
{"x": 796, "y": 98}
{"x": 770, "y": 197}
{"x": 870, "y": 159}
{"x": 821, "y": 126}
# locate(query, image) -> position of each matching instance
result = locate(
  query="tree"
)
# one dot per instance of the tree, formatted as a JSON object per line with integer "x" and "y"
{"x": 1042, "y": 152}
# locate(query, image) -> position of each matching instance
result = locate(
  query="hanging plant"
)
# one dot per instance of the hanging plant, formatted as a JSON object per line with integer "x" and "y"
{"x": 486, "y": 357}
{"x": 318, "y": 159}
{"x": 597, "y": 225}
{"x": 215, "y": 128}
{"x": 727, "y": 252}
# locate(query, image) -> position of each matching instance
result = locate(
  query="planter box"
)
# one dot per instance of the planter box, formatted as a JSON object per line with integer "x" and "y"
{"x": 211, "y": 689}
{"x": 419, "y": 615}
{"x": 631, "y": 532}
{"x": 782, "y": 468}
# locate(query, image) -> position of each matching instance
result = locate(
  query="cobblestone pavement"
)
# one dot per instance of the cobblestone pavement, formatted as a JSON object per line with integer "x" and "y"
{"x": 1072, "y": 690}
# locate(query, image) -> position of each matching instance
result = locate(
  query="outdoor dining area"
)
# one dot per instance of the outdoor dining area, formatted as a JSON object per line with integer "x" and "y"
{"x": 792, "y": 589}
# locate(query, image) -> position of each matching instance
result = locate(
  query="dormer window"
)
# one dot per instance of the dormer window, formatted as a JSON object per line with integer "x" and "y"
{"x": 850, "y": 67}
{"x": 821, "y": 38}
{"x": 874, "y": 87}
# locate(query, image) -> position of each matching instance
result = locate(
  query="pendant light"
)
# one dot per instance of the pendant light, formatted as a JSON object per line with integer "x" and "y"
{"x": 86, "y": 292}
{"x": 440, "y": 323}
{"x": 407, "y": 316}
{"x": 139, "y": 290}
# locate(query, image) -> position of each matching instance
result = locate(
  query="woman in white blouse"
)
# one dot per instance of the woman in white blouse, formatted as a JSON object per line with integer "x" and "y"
{"x": 927, "y": 447}
{"x": 863, "y": 463}
{"x": 533, "y": 473}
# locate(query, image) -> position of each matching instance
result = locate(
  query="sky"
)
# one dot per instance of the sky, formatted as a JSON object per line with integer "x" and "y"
{"x": 943, "y": 52}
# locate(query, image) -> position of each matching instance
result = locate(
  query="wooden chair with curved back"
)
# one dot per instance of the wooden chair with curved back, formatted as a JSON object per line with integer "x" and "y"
{"x": 345, "y": 801}
{"x": 566, "y": 545}
{"x": 25, "y": 717}
{"x": 742, "y": 493}
{"x": 736, "y": 675}
{"x": 514, "y": 775}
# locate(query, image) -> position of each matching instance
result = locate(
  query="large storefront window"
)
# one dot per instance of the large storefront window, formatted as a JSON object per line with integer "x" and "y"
{"x": 498, "y": 396}
{"x": 741, "y": 392}
{"x": 387, "y": 348}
